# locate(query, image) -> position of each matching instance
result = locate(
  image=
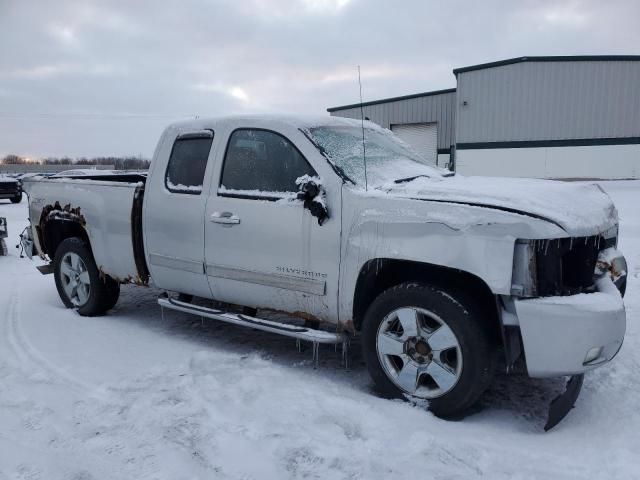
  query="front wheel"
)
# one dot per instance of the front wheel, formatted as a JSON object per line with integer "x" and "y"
{"x": 425, "y": 342}
{"x": 79, "y": 282}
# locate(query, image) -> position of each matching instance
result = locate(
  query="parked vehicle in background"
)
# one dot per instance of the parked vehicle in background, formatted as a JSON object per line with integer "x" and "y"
{"x": 439, "y": 274}
{"x": 10, "y": 188}
{"x": 94, "y": 172}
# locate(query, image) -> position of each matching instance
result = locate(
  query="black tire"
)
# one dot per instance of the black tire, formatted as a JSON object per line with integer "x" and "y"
{"x": 113, "y": 293}
{"x": 17, "y": 198}
{"x": 467, "y": 323}
{"x": 103, "y": 292}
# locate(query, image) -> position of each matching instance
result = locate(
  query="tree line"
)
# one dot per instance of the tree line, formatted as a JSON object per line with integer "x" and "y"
{"x": 119, "y": 163}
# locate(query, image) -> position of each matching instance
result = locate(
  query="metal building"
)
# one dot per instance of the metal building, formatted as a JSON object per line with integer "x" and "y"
{"x": 547, "y": 117}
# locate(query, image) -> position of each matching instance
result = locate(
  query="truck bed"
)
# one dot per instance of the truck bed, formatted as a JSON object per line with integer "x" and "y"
{"x": 105, "y": 208}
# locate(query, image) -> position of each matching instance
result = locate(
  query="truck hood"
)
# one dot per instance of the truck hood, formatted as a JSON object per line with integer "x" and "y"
{"x": 581, "y": 209}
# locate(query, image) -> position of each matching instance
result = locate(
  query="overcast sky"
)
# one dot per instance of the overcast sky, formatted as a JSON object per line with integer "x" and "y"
{"x": 102, "y": 78}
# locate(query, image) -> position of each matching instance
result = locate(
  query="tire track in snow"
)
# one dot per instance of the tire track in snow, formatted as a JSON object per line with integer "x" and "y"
{"x": 42, "y": 368}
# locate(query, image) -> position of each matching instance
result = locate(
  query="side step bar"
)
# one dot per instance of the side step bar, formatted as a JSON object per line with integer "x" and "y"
{"x": 299, "y": 333}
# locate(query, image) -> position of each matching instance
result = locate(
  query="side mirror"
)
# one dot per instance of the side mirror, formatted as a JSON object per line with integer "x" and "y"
{"x": 310, "y": 191}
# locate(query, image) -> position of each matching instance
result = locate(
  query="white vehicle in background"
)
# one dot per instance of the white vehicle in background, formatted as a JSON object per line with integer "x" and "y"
{"x": 440, "y": 275}
{"x": 81, "y": 172}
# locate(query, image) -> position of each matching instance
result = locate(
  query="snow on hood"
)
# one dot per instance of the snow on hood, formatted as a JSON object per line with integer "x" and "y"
{"x": 579, "y": 208}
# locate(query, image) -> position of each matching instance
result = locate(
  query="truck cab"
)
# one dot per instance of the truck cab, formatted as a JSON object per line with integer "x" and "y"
{"x": 219, "y": 188}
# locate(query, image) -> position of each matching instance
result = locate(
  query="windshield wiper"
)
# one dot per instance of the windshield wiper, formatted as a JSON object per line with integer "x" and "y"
{"x": 409, "y": 179}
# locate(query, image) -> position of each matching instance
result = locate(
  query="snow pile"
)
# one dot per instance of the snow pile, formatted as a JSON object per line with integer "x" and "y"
{"x": 283, "y": 196}
{"x": 183, "y": 188}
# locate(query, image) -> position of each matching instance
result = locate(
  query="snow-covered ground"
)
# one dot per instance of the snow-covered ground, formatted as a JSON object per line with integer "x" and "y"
{"x": 135, "y": 396}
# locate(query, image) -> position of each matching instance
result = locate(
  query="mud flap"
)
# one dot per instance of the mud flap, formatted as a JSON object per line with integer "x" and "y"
{"x": 562, "y": 404}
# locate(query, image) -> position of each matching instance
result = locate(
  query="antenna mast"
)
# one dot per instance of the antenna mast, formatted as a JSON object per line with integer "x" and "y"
{"x": 364, "y": 148}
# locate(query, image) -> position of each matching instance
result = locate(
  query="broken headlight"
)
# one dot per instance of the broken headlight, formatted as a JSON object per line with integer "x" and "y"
{"x": 561, "y": 266}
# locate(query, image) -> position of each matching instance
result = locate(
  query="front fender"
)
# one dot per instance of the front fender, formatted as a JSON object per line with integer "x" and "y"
{"x": 467, "y": 238}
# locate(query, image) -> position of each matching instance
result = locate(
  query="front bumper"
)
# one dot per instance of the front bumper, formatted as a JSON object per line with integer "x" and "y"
{"x": 572, "y": 334}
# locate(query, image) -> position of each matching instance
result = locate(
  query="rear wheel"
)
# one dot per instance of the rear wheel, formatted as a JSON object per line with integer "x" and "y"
{"x": 426, "y": 342}
{"x": 79, "y": 282}
{"x": 113, "y": 293}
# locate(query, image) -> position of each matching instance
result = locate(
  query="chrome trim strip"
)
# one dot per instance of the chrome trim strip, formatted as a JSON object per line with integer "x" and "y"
{"x": 277, "y": 280}
{"x": 176, "y": 263}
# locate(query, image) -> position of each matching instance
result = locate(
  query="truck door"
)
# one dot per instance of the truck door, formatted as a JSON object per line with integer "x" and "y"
{"x": 174, "y": 213}
{"x": 263, "y": 249}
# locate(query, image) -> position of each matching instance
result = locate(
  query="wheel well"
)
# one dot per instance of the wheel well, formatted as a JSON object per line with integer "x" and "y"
{"x": 53, "y": 232}
{"x": 380, "y": 274}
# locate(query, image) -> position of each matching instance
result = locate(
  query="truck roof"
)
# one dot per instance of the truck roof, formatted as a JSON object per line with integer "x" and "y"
{"x": 297, "y": 121}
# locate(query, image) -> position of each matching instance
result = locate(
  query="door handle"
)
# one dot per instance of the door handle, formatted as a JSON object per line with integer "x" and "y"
{"x": 226, "y": 218}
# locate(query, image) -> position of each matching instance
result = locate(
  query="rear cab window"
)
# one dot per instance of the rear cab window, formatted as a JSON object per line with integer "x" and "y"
{"x": 262, "y": 164}
{"x": 188, "y": 163}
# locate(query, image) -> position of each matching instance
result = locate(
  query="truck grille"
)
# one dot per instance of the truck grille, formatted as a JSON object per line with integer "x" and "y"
{"x": 566, "y": 266}
{"x": 8, "y": 187}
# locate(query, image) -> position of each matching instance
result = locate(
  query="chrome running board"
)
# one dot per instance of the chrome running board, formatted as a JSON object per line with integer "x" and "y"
{"x": 299, "y": 333}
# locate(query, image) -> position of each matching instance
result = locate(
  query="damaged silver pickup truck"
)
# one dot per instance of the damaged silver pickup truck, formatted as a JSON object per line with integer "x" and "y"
{"x": 443, "y": 277}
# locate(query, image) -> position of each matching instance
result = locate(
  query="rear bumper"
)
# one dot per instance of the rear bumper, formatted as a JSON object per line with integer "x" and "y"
{"x": 574, "y": 334}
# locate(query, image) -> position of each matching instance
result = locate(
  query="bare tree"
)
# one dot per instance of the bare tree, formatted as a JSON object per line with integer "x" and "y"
{"x": 119, "y": 163}
{"x": 13, "y": 160}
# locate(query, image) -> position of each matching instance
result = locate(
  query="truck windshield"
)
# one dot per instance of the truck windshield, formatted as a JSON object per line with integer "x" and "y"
{"x": 388, "y": 158}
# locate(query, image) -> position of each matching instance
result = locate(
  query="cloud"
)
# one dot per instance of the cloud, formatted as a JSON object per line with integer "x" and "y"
{"x": 162, "y": 60}
{"x": 331, "y": 6}
{"x": 63, "y": 34}
{"x": 43, "y": 72}
{"x": 37, "y": 72}
{"x": 234, "y": 91}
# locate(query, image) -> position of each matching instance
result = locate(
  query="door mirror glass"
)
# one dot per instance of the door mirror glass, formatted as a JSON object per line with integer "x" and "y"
{"x": 311, "y": 192}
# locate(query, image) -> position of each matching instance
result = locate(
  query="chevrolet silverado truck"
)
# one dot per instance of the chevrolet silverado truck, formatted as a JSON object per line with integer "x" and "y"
{"x": 341, "y": 224}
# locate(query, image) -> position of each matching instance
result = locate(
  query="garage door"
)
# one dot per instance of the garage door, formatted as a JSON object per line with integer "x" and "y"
{"x": 423, "y": 137}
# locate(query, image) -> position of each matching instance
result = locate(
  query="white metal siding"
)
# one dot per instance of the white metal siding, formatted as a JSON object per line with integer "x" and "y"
{"x": 599, "y": 161}
{"x": 549, "y": 101}
{"x": 423, "y": 137}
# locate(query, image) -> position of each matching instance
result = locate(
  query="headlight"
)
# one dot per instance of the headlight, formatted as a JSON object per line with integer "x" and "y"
{"x": 523, "y": 277}
{"x": 555, "y": 267}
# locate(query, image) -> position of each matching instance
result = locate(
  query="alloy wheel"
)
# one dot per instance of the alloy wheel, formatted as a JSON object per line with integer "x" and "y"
{"x": 75, "y": 279}
{"x": 419, "y": 352}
